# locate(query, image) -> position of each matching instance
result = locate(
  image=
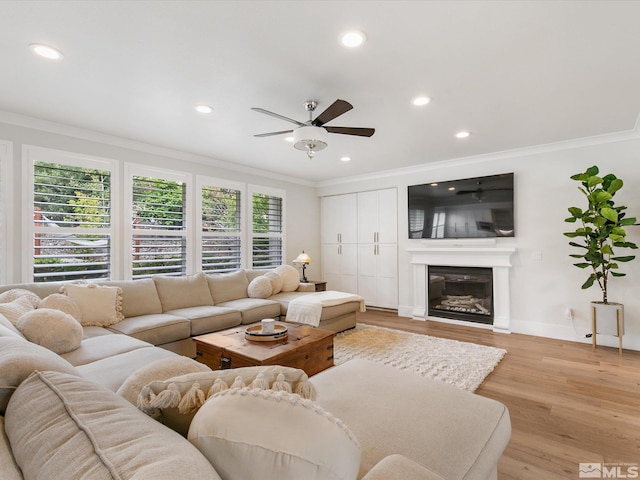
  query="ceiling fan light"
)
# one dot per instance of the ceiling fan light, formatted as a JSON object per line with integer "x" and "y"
{"x": 310, "y": 139}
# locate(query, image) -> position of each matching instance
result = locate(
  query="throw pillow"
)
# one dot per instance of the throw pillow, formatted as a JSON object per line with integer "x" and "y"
{"x": 183, "y": 292}
{"x": 11, "y": 295}
{"x": 290, "y": 277}
{"x": 99, "y": 305}
{"x": 53, "y": 329}
{"x": 260, "y": 287}
{"x": 66, "y": 427}
{"x": 176, "y": 400}
{"x": 157, "y": 371}
{"x": 15, "y": 309}
{"x": 58, "y": 301}
{"x": 18, "y": 358}
{"x": 276, "y": 282}
{"x": 240, "y": 423}
{"x": 8, "y": 329}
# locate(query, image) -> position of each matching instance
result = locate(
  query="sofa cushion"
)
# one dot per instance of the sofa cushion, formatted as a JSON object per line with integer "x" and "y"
{"x": 260, "y": 287}
{"x": 64, "y": 303}
{"x": 399, "y": 467}
{"x": 227, "y": 286}
{"x": 102, "y": 346}
{"x": 183, "y": 292}
{"x": 113, "y": 371}
{"x": 253, "y": 310}
{"x": 69, "y": 439}
{"x": 177, "y": 399}
{"x": 156, "y": 328}
{"x": 290, "y": 277}
{"x": 460, "y": 434}
{"x": 139, "y": 297}
{"x": 207, "y": 319}
{"x": 235, "y": 431}
{"x": 18, "y": 358}
{"x": 99, "y": 305}
{"x": 53, "y": 329}
{"x": 8, "y": 329}
{"x": 157, "y": 371}
{"x": 8, "y": 466}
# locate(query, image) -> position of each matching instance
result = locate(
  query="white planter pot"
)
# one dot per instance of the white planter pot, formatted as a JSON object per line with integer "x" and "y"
{"x": 605, "y": 318}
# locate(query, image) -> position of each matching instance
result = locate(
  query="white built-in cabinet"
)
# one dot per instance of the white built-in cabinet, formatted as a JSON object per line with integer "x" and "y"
{"x": 339, "y": 242}
{"x": 359, "y": 245}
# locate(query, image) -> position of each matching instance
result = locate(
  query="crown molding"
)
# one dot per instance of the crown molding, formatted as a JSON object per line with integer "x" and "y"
{"x": 632, "y": 134}
{"x": 48, "y": 126}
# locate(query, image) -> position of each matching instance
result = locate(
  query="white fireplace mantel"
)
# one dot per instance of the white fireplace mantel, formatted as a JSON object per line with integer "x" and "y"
{"x": 497, "y": 258}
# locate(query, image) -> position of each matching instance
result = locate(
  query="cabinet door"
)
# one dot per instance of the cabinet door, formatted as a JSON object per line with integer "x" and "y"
{"x": 367, "y": 217}
{"x": 367, "y": 273}
{"x": 340, "y": 267}
{"x": 339, "y": 219}
{"x": 387, "y": 276}
{"x": 378, "y": 216}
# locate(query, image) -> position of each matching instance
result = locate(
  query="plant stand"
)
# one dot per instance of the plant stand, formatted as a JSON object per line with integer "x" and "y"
{"x": 611, "y": 316}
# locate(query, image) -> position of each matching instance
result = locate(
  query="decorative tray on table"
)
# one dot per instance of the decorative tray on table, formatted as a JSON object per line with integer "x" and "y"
{"x": 255, "y": 333}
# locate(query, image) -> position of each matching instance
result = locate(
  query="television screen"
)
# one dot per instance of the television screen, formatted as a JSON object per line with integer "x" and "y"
{"x": 480, "y": 207}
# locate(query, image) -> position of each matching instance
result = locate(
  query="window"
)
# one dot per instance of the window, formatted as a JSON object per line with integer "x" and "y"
{"x": 159, "y": 242}
{"x": 267, "y": 214}
{"x": 437, "y": 229}
{"x": 220, "y": 226}
{"x": 71, "y": 226}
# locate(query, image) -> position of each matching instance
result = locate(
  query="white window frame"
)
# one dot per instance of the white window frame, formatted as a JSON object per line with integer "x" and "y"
{"x": 136, "y": 170}
{"x": 273, "y": 192}
{"x": 30, "y": 155}
{"x": 6, "y": 214}
{"x": 205, "y": 181}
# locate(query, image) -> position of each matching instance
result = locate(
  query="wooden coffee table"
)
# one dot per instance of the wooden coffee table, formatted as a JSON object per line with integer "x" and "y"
{"x": 306, "y": 347}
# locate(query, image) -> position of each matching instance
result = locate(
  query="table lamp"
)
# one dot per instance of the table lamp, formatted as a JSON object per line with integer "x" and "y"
{"x": 305, "y": 260}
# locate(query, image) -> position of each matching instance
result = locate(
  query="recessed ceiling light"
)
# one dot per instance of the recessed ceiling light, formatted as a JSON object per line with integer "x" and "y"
{"x": 433, "y": 184}
{"x": 451, "y": 189}
{"x": 204, "y": 108}
{"x": 420, "y": 101}
{"x": 352, "y": 38}
{"x": 463, "y": 134}
{"x": 46, "y": 51}
{"x": 345, "y": 159}
{"x": 288, "y": 139}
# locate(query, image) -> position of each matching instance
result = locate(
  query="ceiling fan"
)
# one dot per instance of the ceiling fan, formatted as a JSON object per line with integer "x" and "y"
{"x": 478, "y": 193}
{"x": 312, "y": 135}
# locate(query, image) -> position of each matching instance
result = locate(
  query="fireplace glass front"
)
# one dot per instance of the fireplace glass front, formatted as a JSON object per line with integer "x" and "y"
{"x": 461, "y": 293}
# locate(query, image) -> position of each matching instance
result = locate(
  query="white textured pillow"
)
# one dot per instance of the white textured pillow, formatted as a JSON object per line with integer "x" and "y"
{"x": 99, "y": 305}
{"x": 290, "y": 277}
{"x": 310, "y": 443}
{"x": 156, "y": 371}
{"x": 11, "y": 295}
{"x": 260, "y": 287}
{"x": 276, "y": 282}
{"x": 15, "y": 309}
{"x": 52, "y": 329}
{"x": 58, "y": 301}
{"x": 176, "y": 400}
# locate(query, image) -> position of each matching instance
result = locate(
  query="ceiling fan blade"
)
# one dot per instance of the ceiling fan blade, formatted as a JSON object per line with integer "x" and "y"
{"x": 277, "y": 115}
{"x": 360, "y": 132}
{"x": 270, "y": 134}
{"x": 334, "y": 110}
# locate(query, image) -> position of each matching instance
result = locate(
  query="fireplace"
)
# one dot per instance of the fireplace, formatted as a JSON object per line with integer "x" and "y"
{"x": 461, "y": 293}
{"x": 491, "y": 256}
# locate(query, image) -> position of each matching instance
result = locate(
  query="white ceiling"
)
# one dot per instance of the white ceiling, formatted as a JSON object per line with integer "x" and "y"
{"x": 515, "y": 73}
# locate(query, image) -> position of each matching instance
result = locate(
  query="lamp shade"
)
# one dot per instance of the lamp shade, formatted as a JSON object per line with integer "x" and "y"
{"x": 302, "y": 258}
{"x": 310, "y": 138}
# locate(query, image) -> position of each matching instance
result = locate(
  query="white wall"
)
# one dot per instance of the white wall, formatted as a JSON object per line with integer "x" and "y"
{"x": 542, "y": 289}
{"x": 302, "y": 204}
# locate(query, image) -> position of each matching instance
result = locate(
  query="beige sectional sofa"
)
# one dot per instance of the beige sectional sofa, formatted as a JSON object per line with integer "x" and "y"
{"x": 168, "y": 311}
{"x": 61, "y": 418}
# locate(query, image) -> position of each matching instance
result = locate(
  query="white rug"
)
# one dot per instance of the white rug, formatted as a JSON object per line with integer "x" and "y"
{"x": 462, "y": 364}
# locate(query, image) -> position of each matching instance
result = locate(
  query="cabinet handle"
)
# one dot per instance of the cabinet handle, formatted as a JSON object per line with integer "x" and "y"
{"x": 339, "y": 249}
{"x": 375, "y": 250}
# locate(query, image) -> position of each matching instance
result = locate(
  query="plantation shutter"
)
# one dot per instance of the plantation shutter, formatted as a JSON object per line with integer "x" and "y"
{"x": 71, "y": 223}
{"x": 221, "y": 229}
{"x": 267, "y": 231}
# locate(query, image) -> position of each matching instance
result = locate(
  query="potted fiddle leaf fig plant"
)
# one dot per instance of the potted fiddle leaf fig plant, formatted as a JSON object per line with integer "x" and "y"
{"x": 600, "y": 231}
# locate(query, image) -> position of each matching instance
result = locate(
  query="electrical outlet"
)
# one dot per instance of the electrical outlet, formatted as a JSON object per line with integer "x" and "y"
{"x": 568, "y": 313}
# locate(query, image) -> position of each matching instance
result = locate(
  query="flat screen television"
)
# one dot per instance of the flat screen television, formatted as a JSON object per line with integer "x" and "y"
{"x": 480, "y": 207}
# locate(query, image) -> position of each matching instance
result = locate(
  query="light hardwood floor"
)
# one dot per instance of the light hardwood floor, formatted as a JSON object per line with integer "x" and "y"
{"x": 568, "y": 403}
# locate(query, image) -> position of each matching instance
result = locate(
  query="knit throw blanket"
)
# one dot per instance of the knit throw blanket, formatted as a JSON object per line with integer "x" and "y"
{"x": 308, "y": 308}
